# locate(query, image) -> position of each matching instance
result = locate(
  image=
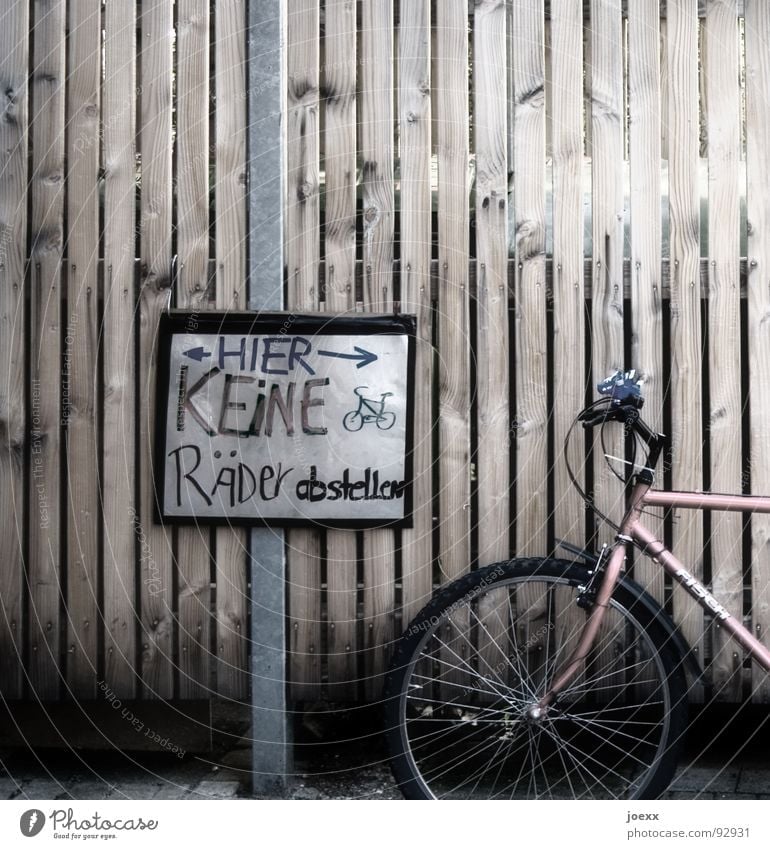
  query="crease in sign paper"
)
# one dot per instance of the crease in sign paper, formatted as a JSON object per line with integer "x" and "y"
{"x": 286, "y": 427}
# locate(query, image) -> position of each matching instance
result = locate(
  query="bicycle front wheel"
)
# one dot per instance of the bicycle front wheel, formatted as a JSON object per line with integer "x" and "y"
{"x": 353, "y": 421}
{"x": 462, "y": 693}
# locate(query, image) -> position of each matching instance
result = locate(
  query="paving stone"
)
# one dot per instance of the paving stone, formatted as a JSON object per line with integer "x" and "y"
{"x": 305, "y": 792}
{"x": 137, "y": 789}
{"x": 173, "y": 791}
{"x": 689, "y": 796}
{"x": 9, "y": 788}
{"x": 42, "y": 788}
{"x": 87, "y": 790}
{"x": 212, "y": 789}
{"x": 756, "y": 781}
{"x": 698, "y": 780}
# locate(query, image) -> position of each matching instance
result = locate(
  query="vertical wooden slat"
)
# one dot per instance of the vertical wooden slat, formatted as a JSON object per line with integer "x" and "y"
{"x": 568, "y": 288}
{"x": 376, "y": 153}
{"x": 685, "y": 306}
{"x": 530, "y": 327}
{"x": 492, "y": 351}
{"x": 607, "y": 233}
{"x": 339, "y": 86}
{"x": 492, "y": 279}
{"x": 14, "y": 69}
{"x": 230, "y": 200}
{"x": 192, "y": 225}
{"x": 155, "y": 554}
{"x": 722, "y": 64}
{"x": 453, "y": 309}
{"x": 451, "y": 51}
{"x": 302, "y": 260}
{"x": 415, "y": 127}
{"x": 47, "y": 223}
{"x": 230, "y": 163}
{"x": 664, "y": 88}
{"x": 646, "y": 290}
{"x": 119, "y": 506}
{"x": 758, "y": 177}
{"x": 80, "y": 357}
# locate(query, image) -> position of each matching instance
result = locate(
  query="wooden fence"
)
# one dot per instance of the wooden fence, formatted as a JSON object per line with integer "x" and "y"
{"x": 555, "y": 191}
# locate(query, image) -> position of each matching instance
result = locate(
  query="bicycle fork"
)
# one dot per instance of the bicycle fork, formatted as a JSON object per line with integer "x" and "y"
{"x": 599, "y": 607}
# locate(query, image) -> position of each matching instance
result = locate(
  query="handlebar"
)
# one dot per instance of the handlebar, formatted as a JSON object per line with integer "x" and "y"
{"x": 623, "y": 392}
{"x": 623, "y": 388}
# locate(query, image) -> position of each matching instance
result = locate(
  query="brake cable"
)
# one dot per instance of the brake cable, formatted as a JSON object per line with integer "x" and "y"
{"x": 587, "y": 499}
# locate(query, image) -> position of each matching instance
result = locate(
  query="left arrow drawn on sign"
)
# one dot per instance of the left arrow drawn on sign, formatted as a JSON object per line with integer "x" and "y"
{"x": 197, "y": 353}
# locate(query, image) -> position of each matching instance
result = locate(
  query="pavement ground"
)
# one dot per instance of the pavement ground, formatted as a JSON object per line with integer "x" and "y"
{"x": 340, "y": 755}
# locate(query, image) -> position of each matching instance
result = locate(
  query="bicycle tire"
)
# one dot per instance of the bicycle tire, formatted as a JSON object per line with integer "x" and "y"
{"x": 354, "y": 416}
{"x": 463, "y": 728}
{"x": 390, "y": 417}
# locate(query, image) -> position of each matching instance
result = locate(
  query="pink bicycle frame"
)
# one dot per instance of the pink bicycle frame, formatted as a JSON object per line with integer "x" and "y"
{"x": 632, "y": 530}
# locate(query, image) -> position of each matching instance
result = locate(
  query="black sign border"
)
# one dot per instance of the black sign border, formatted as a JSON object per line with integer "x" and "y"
{"x": 188, "y": 321}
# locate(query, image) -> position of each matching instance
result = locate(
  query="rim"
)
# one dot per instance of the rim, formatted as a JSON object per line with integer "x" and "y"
{"x": 493, "y": 714}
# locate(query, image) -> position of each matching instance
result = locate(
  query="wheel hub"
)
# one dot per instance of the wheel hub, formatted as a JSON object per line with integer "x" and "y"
{"x": 535, "y": 714}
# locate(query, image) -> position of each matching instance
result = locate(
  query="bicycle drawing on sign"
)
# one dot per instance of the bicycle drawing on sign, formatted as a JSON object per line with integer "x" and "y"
{"x": 369, "y": 410}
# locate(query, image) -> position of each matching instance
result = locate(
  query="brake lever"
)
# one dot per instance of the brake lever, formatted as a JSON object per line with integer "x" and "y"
{"x": 597, "y": 418}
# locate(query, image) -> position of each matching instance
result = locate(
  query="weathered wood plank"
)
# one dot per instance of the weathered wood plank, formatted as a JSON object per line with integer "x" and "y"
{"x": 47, "y": 242}
{"x": 193, "y": 544}
{"x": 338, "y": 83}
{"x": 664, "y": 89}
{"x": 230, "y": 202}
{"x": 119, "y": 461}
{"x": 628, "y": 6}
{"x": 302, "y": 260}
{"x": 531, "y": 419}
{"x": 722, "y": 63}
{"x": 451, "y": 139}
{"x": 644, "y": 103}
{"x": 685, "y": 306}
{"x": 567, "y": 288}
{"x": 758, "y": 174}
{"x": 155, "y": 551}
{"x": 492, "y": 357}
{"x": 451, "y": 79}
{"x": 414, "y": 79}
{"x": 376, "y": 152}
{"x": 230, "y": 165}
{"x": 81, "y": 346}
{"x": 607, "y": 204}
{"x": 14, "y": 69}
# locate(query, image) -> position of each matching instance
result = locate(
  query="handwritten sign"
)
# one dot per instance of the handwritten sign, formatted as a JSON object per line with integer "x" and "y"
{"x": 285, "y": 419}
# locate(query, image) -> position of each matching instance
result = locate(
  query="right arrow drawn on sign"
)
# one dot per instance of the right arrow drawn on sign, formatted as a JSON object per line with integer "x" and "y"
{"x": 364, "y": 357}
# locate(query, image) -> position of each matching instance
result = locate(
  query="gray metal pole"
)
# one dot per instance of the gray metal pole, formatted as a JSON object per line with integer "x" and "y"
{"x": 272, "y": 762}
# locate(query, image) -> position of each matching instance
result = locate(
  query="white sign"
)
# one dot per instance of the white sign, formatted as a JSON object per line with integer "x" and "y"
{"x": 286, "y": 419}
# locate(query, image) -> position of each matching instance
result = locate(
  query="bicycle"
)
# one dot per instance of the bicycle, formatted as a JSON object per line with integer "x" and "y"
{"x": 552, "y": 678}
{"x": 368, "y": 411}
